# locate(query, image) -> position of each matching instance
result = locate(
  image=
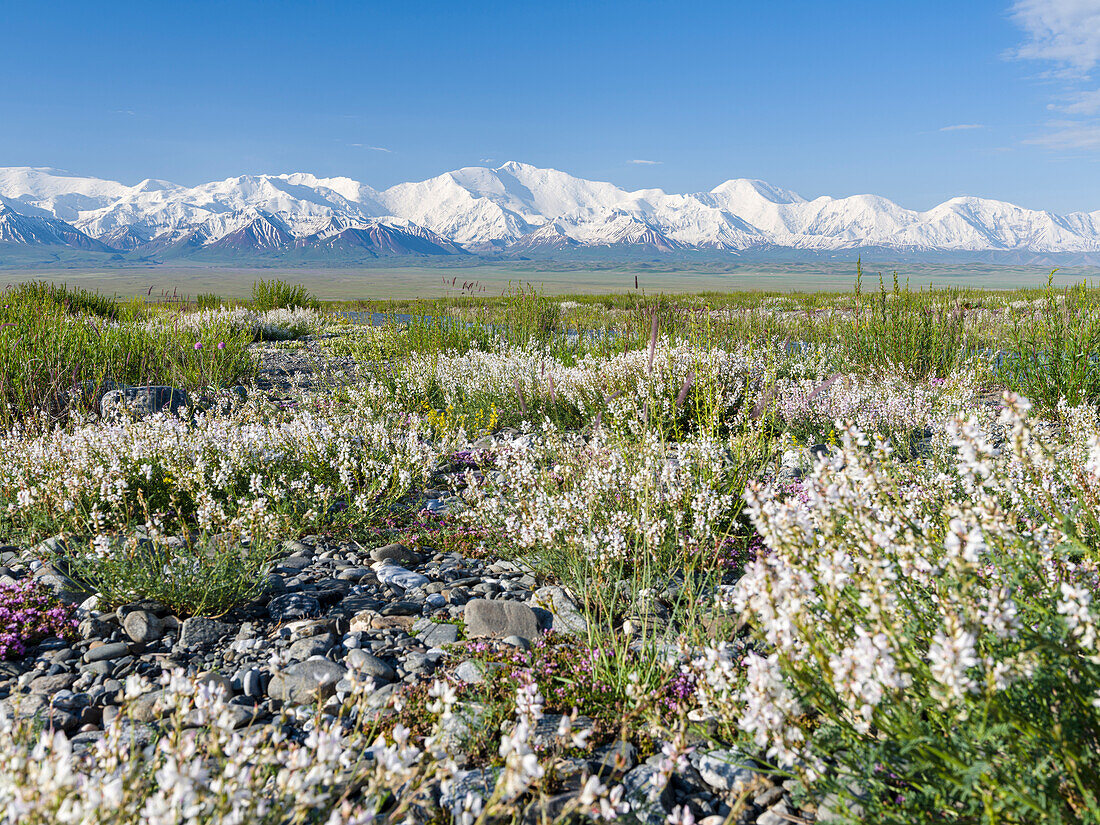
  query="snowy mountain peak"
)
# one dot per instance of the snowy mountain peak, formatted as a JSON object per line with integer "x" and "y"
{"x": 514, "y": 206}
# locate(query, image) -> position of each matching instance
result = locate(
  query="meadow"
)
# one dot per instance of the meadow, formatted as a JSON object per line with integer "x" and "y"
{"x": 694, "y": 558}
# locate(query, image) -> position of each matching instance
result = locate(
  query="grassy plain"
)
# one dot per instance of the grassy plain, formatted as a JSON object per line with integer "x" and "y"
{"x": 385, "y": 281}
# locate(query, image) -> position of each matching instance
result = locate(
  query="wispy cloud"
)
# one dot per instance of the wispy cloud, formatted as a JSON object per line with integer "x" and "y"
{"x": 128, "y": 112}
{"x": 1071, "y": 135}
{"x": 1064, "y": 35}
{"x": 372, "y": 148}
{"x": 1063, "y": 32}
{"x": 487, "y": 160}
{"x": 959, "y": 127}
{"x": 640, "y": 162}
{"x": 1080, "y": 103}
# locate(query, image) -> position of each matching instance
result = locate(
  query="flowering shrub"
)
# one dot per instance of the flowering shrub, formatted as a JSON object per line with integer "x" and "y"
{"x": 269, "y": 325}
{"x": 257, "y": 471}
{"x": 339, "y": 772}
{"x": 614, "y": 510}
{"x": 29, "y": 613}
{"x": 929, "y": 641}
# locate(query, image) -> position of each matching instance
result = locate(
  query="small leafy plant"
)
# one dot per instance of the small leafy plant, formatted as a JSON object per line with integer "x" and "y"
{"x": 205, "y": 577}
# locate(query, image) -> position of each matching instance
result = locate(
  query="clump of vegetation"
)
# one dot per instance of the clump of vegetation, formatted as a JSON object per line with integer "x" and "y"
{"x": 56, "y": 356}
{"x": 278, "y": 294}
{"x": 203, "y": 577}
{"x": 207, "y": 300}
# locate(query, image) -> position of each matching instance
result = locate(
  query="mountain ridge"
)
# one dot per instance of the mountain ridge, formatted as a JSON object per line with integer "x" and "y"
{"x": 512, "y": 209}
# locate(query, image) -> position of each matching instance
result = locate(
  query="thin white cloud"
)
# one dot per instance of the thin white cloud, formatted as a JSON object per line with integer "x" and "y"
{"x": 1080, "y": 103}
{"x": 1065, "y": 36}
{"x": 372, "y": 148}
{"x": 959, "y": 127}
{"x": 1071, "y": 135}
{"x": 1063, "y": 32}
{"x": 487, "y": 160}
{"x": 641, "y": 162}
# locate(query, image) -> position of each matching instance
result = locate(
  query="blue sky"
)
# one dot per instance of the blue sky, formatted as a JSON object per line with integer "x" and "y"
{"x": 824, "y": 98}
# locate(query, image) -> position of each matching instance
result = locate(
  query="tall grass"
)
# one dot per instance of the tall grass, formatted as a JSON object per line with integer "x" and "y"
{"x": 278, "y": 294}
{"x": 1058, "y": 357}
{"x": 54, "y": 357}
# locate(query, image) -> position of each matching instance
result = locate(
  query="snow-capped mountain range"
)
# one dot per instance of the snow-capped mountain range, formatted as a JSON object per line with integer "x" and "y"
{"x": 514, "y": 209}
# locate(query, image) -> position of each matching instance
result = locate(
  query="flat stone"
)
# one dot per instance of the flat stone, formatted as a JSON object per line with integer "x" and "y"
{"x": 500, "y": 619}
{"x": 470, "y": 672}
{"x": 778, "y": 814}
{"x": 66, "y": 589}
{"x": 306, "y": 682}
{"x": 313, "y": 646}
{"x": 398, "y": 553}
{"x": 200, "y": 633}
{"x": 439, "y": 634}
{"x": 293, "y": 606}
{"x": 479, "y": 783}
{"x": 393, "y": 574}
{"x": 647, "y": 803}
{"x": 616, "y": 758}
{"x": 236, "y": 716}
{"x": 111, "y": 650}
{"x": 565, "y": 617}
{"x": 545, "y": 734}
{"x": 418, "y": 664}
{"x": 150, "y": 706}
{"x": 295, "y": 547}
{"x": 143, "y": 626}
{"x": 391, "y": 622}
{"x": 296, "y": 562}
{"x": 216, "y": 680}
{"x": 52, "y": 683}
{"x": 402, "y": 608}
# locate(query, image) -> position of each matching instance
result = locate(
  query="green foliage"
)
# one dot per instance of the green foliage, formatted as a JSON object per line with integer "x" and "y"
{"x": 904, "y": 330}
{"x": 205, "y": 577}
{"x": 278, "y": 294}
{"x": 71, "y": 300}
{"x": 1057, "y": 357}
{"x": 207, "y": 300}
{"x": 54, "y": 358}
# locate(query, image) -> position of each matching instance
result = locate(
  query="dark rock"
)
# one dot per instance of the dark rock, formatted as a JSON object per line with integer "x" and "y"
{"x": 140, "y": 402}
{"x": 200, "y": 633}
{"x": 293, "y": 606}
{"x": 615, "y": 758}
{"x": 111, "y": 650}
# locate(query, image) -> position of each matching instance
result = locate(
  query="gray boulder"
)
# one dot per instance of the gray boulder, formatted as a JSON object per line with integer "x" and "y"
{"x": 500, "y": 619}
{"x": 306, "y": 682}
